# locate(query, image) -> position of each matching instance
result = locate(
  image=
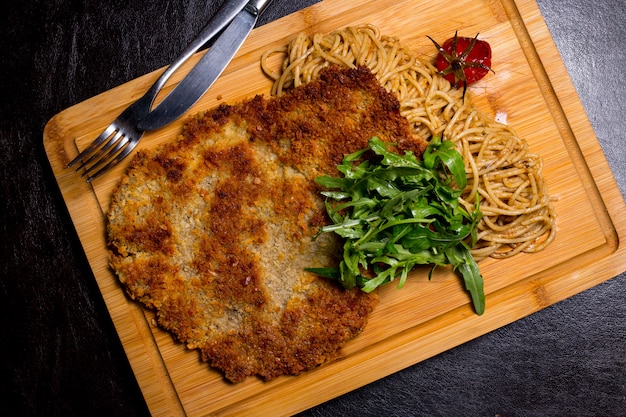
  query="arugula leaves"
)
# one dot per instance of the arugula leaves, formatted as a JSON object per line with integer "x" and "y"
{"x": 400, "y": 212}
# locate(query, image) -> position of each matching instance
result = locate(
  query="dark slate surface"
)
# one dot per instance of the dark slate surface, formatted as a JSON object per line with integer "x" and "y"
{"x": 60, "y": 353}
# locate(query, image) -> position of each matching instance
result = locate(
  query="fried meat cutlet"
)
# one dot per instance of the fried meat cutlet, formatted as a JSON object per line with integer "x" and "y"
{"x": 214, "y": 230}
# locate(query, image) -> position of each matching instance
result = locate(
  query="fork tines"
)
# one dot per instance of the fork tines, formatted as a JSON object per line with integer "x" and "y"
{"x": 106, "y": 151}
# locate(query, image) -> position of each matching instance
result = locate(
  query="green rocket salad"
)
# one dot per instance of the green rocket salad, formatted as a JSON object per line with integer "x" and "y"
{"x": 398, "y": 212}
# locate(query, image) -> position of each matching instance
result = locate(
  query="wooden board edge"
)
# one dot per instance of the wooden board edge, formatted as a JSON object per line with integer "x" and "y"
{"x": 147, "y": 363}
{"x": 581, "y": 139}
{"x": 612, "y": 217}
{"x": 412, "y": 346}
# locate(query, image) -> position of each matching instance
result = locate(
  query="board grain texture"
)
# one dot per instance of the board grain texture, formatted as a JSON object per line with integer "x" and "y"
{"x": 530, "y": 88}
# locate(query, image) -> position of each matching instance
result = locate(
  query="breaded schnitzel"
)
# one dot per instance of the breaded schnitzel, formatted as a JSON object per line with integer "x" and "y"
{"x": 214, "y": 230}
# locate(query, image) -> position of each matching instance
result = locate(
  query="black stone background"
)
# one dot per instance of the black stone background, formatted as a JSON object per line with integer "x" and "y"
{"x": 60, "y": 355}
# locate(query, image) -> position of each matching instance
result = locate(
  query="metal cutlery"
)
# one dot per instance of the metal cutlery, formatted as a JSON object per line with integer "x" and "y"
{"x": 235, "y": 19}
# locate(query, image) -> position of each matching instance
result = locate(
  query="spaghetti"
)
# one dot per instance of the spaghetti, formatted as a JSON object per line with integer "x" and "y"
{"x": 518, "y": 215}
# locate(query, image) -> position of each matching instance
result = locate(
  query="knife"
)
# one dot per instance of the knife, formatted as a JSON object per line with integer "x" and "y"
{"x": 207, "y": 70}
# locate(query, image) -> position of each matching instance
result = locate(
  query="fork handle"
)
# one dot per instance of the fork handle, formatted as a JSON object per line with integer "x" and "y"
{"x": 222, "y": 18}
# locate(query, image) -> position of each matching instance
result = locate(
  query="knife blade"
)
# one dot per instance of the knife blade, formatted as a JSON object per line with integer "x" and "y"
{"x": 207, "y": 70}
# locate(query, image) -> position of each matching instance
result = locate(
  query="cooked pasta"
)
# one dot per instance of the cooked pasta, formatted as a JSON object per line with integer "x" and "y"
{"x": 518, "y": 215}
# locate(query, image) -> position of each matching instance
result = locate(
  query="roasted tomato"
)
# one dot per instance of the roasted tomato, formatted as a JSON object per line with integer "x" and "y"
{"x": 462, "y": 60}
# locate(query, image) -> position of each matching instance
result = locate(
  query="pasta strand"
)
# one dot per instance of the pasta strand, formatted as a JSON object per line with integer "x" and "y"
{"x": 518, "y": 215}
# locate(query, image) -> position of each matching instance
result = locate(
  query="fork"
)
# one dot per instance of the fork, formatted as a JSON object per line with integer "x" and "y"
{"x": 118, "y": 140}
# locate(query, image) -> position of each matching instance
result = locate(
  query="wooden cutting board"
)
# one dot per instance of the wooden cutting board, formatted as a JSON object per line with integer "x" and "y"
{"x": 531, "y": 89}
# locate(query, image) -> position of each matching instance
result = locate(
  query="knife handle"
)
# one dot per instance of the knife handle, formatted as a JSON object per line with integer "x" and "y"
{"x": 257, "y": 6}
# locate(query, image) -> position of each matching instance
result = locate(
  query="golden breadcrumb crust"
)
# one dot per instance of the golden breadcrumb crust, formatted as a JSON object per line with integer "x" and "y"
{"x": 213, "y": 230}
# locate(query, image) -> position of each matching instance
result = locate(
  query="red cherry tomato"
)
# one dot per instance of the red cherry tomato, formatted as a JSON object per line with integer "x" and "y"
{"x": 462, "y": 60}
